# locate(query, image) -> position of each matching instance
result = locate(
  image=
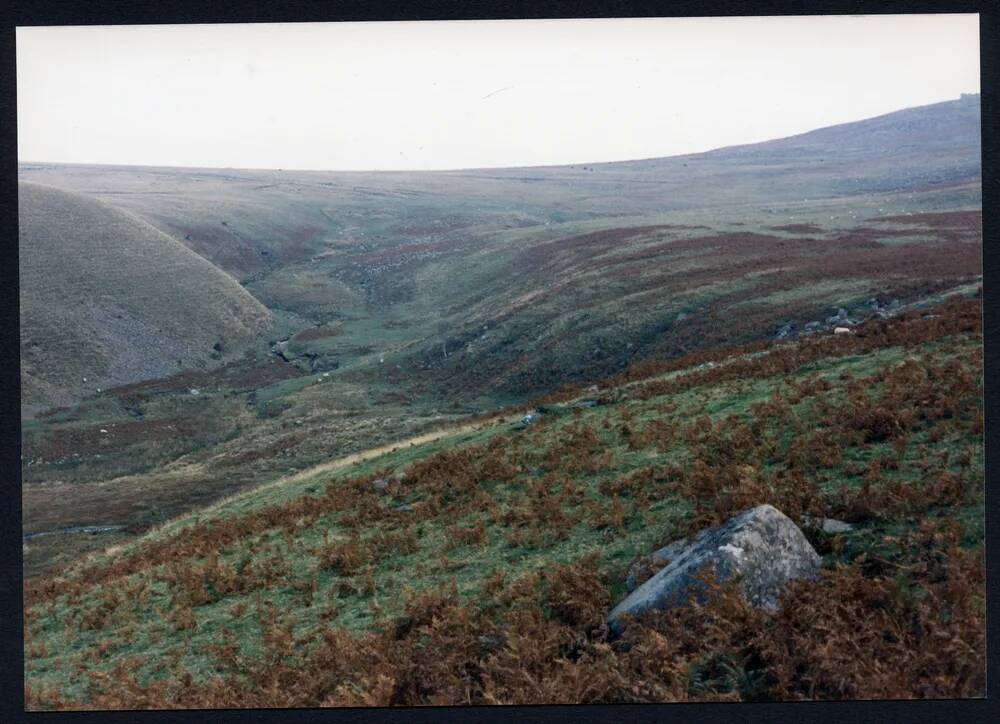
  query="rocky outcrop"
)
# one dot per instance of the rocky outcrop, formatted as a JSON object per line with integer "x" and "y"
{"x": 762, "y": 546}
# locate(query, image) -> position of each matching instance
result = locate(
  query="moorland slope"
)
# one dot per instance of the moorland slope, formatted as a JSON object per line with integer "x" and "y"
{"x": 477, "y": 567}
{"x": 507, "y": 281}
{"x": 106, "y": 299}
{"x": 403, "y": 301}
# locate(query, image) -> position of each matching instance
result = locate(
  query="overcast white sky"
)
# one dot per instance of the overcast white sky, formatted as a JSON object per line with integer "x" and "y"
{"x": 433, "y": 95}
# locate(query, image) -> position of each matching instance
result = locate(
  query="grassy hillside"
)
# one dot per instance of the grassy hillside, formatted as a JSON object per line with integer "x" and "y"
{"x": 475, "y": 567}
{"x": 403, "y": 301}
{"x": 503, "y": 282}
{"x": 914, "y": 148}
{"x": 106, "y": 299}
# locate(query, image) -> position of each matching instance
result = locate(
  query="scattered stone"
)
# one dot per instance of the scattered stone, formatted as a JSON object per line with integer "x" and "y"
{"x": 529, "y": 418}
{"x": 404, "y": 508}
{"x": 843, "y": 330}
{"x": 784, "y": 332}
{"x": 834, "y": 526}
{"x": 380, "y": 484}
{"x": 812, "y": 325}
{"x": 194, "y": 392}
{"x": 681, "y": 316}
{"x": 593, "y": 389}
{"x": 839, "y": 318}
{"x": 761, "y": 545}
{"x": 104, "y": 431}
{"x": 830, "y": 526}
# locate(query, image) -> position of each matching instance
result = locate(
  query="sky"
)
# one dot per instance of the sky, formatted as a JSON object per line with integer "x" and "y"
{"x": 469, "y": 94}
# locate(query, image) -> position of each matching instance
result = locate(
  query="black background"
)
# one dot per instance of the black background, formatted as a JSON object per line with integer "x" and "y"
{"x": 97, "y": 12}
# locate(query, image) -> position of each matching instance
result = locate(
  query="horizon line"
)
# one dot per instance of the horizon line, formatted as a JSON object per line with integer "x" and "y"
{"x": 282, "y": 169}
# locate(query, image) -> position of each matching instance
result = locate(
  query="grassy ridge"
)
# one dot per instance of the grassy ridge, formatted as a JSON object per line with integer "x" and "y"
{"x": 515, "y": 540}
{"x": 107, "y": 299}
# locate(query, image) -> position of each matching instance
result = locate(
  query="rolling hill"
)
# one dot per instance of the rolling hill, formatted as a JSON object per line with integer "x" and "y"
{"x": 253, "y": 222}
{"x": 404, "y": 301}
{"x": 513, "y": 280}
{"x": 106, "y": 299}
{"x": 355, "y": 509}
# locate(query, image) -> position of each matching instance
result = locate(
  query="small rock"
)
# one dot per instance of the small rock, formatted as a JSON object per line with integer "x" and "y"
{"x": 842, "y": 330}
{"x": 380, "y": 484}
{"x": 834, "y": 526}
{"x": 762, "y": 545}
{"x": 830, "y": 526}
{"x": 404, "y": 508}
{"x": 681, "y": 316}
{"x": 839, "y": 317}
{"x": 194, "y": 392}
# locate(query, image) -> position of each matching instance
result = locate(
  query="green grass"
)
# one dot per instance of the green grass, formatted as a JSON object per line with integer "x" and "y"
{"x": 434, "y": 562}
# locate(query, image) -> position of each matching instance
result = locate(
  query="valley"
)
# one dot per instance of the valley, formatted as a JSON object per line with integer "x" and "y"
{"x": 274, "y": 425}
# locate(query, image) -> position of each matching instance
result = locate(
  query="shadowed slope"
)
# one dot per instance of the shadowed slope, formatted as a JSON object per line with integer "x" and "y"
{"x": 107, "y": 299}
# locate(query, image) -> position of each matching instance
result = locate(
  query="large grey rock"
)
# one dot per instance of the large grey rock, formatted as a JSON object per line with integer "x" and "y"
{"x": 654, "y": 561}
{"x": 761, "y": 545}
